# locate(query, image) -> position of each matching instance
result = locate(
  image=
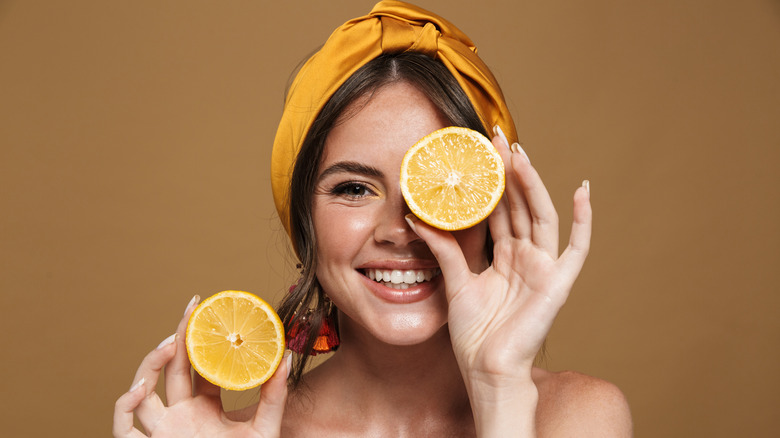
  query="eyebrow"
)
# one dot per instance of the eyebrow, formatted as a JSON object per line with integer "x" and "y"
{"x": 351, "y": 167}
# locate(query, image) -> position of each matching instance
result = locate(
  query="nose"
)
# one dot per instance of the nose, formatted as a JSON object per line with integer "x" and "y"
{"x": 391, "y": 226}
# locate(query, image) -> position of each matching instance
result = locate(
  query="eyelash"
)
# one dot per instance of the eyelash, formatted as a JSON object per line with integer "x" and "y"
{"x": 344, "y": 188}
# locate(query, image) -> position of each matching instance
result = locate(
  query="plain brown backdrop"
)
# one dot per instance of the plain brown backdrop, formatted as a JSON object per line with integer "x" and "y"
{"x": 134, "y": 146}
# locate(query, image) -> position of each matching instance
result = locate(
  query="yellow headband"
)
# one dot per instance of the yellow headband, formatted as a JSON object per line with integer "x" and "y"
{"x": 391, "y": 27}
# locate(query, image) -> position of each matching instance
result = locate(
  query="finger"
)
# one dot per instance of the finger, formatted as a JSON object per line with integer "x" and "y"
{"x": 445, "y": 248}
{"x": 273, "y": 397}
{"x": 519, "y": 215}
{"x": 204, "y": 387}
{"x": 499, "y": 220}
{"x": 499, "y": 225}
{"x": 178, "y": 384}
{"x": 575, "y": 253}
{"x": 544, "y": 219}
{"x": 151, "y": 408}
{"x": 123, "y": 412}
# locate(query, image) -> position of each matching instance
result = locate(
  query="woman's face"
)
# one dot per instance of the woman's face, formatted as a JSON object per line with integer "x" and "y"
{"x": 362, "y": 237}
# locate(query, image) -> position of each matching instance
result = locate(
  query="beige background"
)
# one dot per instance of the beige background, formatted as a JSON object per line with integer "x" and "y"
{"x": 134, "y": 142}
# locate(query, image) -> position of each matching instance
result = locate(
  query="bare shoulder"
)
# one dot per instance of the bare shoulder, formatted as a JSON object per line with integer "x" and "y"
{"x": 575, "y": 404}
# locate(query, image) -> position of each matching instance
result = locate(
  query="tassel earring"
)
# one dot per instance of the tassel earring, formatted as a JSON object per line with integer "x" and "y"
{"x": 296, "y": 336}
{"x": 327, "y": 337}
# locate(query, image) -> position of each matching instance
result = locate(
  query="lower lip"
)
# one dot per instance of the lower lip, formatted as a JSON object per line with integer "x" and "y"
{"x": 413, "y": 294}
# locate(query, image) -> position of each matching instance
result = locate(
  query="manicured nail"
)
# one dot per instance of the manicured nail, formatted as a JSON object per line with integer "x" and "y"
{"x": 288, "y": 359}
{"x": 138, "y": 384}
{"x": 497, "y": 131}
{"x": 410, "y": 219}
{"x": 586, "y": 184}
{"x": 167, "y": 341}
{"x": 195, "y": 300}
{"x": 516, "y": 148}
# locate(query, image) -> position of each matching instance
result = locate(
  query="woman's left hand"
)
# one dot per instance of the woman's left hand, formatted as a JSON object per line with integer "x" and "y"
{"x": 499, "y": 318}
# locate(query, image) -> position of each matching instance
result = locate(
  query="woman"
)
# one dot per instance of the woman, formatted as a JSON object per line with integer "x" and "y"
{"x": 448, "y": 353}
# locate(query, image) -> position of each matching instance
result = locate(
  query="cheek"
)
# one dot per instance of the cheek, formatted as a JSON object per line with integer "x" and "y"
{"x": 340, "y": 230}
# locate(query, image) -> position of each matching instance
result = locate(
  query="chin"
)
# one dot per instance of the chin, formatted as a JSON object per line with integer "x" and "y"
{"x": 405, "y": 329}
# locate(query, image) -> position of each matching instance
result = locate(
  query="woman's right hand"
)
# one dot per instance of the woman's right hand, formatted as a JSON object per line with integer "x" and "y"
{"x": 194, "y": 408}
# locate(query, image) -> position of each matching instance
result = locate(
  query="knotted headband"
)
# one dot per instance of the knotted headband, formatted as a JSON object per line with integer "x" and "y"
{"x": 391, "y": 27}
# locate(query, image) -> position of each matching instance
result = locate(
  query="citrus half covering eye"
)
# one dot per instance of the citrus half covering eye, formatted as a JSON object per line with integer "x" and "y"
{"x": 235, "y": 340}
{"x": 452, "y": 178}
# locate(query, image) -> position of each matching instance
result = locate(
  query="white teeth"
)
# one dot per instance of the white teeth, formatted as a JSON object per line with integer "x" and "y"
{"x": 400, "y": 286}
{"x": 398, "y": 279}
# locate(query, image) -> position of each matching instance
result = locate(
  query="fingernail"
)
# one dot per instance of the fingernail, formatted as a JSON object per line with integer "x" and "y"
{"x": 195, "y": 300}
{"x": 167, "y": 341}
{"x": 410, "y": 218}
{"x": 586, "y": 184}
{"x": 138, "y": 384}
{"x": 516, "y": 148}
{"x": 288, "y": 359}
{"x": 497, "y": 131}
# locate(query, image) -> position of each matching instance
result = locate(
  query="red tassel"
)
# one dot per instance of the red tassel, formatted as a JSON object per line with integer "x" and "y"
{"x": 296, "y": 337}
{"x": 328, "y": 339}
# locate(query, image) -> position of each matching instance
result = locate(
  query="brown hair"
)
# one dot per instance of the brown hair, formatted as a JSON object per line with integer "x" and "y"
{"x": 439, "y": 85}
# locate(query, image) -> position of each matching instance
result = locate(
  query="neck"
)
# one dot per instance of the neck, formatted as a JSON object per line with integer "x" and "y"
{"x": 431, "y": 363}
{"x": 415, "y": 386}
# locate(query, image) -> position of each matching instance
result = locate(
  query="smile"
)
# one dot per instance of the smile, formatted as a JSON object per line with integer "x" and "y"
{"x": 398, "y": 279}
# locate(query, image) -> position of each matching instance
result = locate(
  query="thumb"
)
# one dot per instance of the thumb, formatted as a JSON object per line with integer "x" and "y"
{"x": 273, "y": 396}
{"x": 446, "y": 249}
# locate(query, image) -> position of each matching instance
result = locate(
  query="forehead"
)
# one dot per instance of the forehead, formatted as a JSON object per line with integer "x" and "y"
{"x": 383, "y": 126}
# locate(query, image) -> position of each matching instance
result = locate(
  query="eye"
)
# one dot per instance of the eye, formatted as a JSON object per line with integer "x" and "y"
{"x": 353, "y": 190}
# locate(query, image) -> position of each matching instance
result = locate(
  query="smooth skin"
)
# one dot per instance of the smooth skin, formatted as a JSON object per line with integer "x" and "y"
{"x": 456, "y": 362}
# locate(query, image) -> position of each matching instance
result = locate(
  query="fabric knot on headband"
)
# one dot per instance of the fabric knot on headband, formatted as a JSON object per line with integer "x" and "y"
{"x": 398, "y": 36}
{"x": 390, "y": 27}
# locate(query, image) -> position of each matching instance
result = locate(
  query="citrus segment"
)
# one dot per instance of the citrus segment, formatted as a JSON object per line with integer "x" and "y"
{"x": 452, "y": 178}
{"x": 235, "y": 340}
